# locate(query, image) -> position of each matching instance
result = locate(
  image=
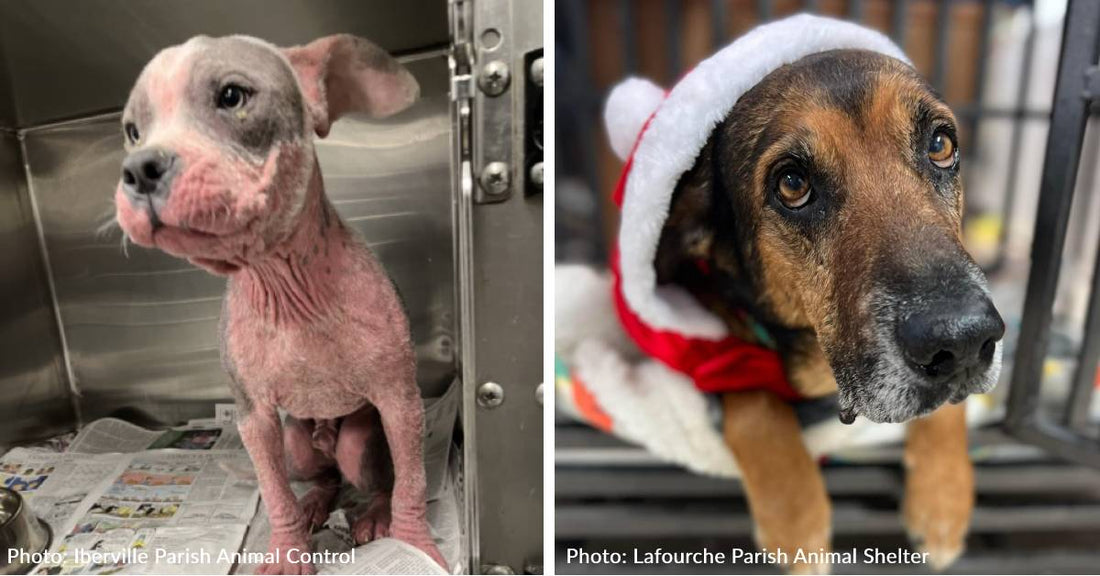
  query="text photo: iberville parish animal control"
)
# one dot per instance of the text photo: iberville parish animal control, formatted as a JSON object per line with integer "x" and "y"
{"x": 826, "y": 287}
{"x": 244, "y": 278}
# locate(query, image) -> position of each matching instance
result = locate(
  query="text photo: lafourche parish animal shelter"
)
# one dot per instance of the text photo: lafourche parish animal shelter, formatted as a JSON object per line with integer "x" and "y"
{"x": 826, "y": 287}
{"x": 245, "y": 266}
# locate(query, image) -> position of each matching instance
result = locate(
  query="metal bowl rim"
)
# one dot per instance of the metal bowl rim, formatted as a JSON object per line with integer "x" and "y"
{"x": 19, "y": 502}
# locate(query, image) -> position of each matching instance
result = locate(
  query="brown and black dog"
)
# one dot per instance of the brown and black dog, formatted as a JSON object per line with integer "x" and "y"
{"x": 828, "y": 203}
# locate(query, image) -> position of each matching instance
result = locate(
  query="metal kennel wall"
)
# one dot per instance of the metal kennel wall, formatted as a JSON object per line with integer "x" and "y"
{"x": 496, "y": 92}
{"x": 90, "y": 328}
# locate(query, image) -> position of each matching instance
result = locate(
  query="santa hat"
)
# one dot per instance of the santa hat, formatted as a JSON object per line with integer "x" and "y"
{"x": 660, "y": 134}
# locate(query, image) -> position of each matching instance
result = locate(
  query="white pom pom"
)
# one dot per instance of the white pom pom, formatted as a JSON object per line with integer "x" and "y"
{"x": 628, "y": 107}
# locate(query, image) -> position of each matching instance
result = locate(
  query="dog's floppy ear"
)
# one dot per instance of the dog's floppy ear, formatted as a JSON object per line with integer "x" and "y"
{"x": 343, "y": 73}
{"x": 688, "y": 234}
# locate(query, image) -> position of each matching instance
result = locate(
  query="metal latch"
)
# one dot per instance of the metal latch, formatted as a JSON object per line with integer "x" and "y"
{"x": 461, "y": 87}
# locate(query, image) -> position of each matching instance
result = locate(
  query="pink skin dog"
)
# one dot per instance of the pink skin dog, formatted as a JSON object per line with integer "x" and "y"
{"x": 222, "y": 171}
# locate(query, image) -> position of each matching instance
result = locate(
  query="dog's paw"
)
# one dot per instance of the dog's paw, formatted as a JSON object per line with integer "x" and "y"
{"x": 809, "y": 530}
{"x": 285, "y": 567}
{"x": 374, "y": 522}
{"x": 808, "y": 568}
{"x": 420, "y": 537}
{"x": 287, "y": 555}
{"x": 939, "y": 533}
{"x": 939, "y": 499}
{"x": 316, "y": 506}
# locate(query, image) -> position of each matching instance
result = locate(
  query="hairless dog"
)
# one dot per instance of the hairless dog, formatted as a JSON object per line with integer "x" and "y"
{"x": 222, "y": 171}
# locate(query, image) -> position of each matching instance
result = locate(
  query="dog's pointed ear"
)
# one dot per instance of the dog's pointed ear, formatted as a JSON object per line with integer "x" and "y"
{"x": 343, "y": 73}
{"x": 688, "y": 234}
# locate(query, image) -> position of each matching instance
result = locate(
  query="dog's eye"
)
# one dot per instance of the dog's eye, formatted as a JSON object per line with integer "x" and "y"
{"x": 794, "y": 188}
{"x": 941, "y": 150}
{"x": 132, "y": 133}
{"x": 232, "y": 97}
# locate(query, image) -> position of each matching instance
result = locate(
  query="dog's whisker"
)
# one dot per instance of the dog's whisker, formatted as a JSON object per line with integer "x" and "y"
{"x": 108, "y": 222}
{"x": 107, "y": 227}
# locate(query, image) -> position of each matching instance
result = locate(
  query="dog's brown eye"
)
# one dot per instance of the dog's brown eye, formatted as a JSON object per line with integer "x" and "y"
{"x": 941, "y": 150}
{"x": 232, "y": 97}
{"x": 132, "y": 133}
{"x": 794, "y": 189}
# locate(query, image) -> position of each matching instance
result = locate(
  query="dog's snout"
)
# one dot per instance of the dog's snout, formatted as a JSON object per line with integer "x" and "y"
{"x": 149, "y": 171}
{"x": 951, "y": 337}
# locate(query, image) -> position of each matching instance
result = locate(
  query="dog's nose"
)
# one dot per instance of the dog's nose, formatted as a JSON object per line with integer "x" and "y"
{"x": 149, "y": 171}
{"x": 947, "y": 338}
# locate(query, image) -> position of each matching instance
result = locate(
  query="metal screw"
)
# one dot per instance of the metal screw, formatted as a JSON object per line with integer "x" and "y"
{"x": 494, "y": 78}
{"x": 538, "y": 394}
{"x": 495, "y": 178}
{"x": 536, "y": 174}
{"x": 536, "y": 72}
{"x": 490, "y": 395}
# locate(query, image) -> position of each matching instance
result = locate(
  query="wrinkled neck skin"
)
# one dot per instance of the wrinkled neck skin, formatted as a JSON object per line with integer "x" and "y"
{"x": 294, "y": 280}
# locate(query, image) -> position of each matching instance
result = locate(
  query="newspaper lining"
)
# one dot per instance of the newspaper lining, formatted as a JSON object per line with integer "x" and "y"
{"x": 125, "y": 499}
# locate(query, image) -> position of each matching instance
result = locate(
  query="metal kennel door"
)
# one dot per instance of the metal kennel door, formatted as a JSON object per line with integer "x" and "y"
{"x": 496, "y": 91}
{"x": 1077, "y": 91}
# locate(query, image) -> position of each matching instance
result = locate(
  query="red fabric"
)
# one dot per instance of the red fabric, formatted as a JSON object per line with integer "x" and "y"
{"x": 727, "y": 365}
{"x": 588, "y": 406}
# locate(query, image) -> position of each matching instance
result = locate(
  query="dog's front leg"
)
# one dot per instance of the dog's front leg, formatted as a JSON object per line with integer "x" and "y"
{"x": 402, "y": 413}
{"x": 783, "y": 484}
{"x": 262, "y": 435}
{"x": 939, "y": 484}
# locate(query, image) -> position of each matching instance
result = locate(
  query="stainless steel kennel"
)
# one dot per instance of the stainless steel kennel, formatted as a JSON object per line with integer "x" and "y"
{"x": 88, "y": 329}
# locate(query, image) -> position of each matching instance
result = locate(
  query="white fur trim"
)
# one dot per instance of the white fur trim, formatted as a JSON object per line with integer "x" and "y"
{"x": 678, "y": 132}
{"x": 655, "y": 407}
{"x": 584, "y": 310}
{"x": 629, "y": 105}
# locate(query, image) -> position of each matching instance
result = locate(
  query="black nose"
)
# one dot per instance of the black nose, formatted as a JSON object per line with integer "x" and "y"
{"x": 149, "y": 171}
{"x": 948, "y": 337}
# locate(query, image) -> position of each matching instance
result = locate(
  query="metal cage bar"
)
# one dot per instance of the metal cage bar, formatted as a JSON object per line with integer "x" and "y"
{"x": 718, "y": 23}
{"x": 763, "y": 10}
{"x": 577, "y": 26}
{"x": 1016, "y": 139}
{"x": 626, "y": 26}
{"x": 988, "y": 7}
{"x": 1078, "y": 76}
{"x": 943, "y": 30}
{"x": 672, "y": 38}
{"x": 855, "y": 10}
{"x": 898, "y": 21}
